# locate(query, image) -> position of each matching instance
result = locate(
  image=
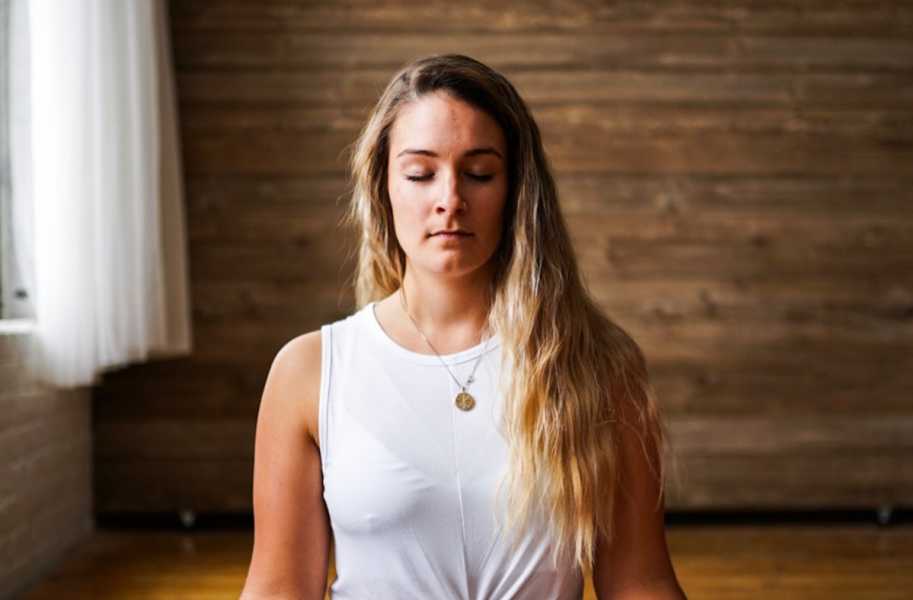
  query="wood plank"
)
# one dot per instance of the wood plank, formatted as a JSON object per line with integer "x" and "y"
{"x": 361, "y": 88}
{"x": 835, "y": 306}
{"x": 580, "y": 149}
{"x": 793, "y": 434}
{"x": 759, "y": 258}
{"x": 226, "y": 301}
{"x": 789, "y": 482}
{"x": 752, "y": 385}
{"x": 305, "y": 258}
{"x": 674, "y": 195}
{"x": 310, "y": 50}
{"x": 668, "y": 300}
{"x": 887, "y": 124}
{"x": 765, "y": 342}
{"x": 841, "y": 234}
{"x": 249, "y": 222}
{"x": 819, "y": 17}
{"x": 228, "y": 192}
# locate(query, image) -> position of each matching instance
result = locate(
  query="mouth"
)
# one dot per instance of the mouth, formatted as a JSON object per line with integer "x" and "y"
{"x": 451, "y": 233}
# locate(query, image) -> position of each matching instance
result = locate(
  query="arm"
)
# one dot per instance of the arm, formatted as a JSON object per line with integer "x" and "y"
{"x": 637, "y": 565}
{"x": 291, "y": 530}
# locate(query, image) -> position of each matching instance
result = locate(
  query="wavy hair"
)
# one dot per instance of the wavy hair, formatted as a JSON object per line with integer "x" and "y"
{"x": 570, "y": 366}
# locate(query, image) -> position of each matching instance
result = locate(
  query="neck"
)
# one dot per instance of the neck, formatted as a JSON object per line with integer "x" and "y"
{"x": 448, "y": 307}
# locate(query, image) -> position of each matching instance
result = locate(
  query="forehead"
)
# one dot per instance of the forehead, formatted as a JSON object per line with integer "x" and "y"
{"x": 441, "y": 122}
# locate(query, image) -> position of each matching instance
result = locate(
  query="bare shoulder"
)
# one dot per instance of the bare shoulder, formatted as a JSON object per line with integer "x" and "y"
{"x": 296, "y": 370}
{"x": 291, "y": 528}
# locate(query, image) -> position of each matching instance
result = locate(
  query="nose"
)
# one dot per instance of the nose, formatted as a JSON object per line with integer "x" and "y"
{"x": 450, "y": 199}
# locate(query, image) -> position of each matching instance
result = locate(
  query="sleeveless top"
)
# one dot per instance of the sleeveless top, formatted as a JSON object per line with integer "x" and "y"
{"x": 410, "y": 479}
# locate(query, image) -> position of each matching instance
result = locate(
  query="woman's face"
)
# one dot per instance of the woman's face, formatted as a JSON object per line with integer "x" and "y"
{"x": 446, "y": 171}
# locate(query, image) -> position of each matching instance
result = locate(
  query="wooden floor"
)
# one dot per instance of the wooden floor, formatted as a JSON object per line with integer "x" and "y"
{"x": 720, "y": 562}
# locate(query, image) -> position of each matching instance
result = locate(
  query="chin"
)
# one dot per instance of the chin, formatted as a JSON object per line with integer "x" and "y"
{"x": 455, "y": 266}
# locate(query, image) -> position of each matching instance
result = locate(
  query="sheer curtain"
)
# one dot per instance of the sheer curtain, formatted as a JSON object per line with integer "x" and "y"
{"x": 96, "y": 161}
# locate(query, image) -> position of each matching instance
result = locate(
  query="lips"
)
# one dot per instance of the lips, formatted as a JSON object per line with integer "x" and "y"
{"x": 459, "y": 232}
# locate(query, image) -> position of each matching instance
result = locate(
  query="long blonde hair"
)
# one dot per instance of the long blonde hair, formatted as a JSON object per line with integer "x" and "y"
{"x": 570, "y": 366}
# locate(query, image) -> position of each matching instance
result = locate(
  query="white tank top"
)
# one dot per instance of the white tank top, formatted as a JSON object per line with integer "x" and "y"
{"x": 410, "y": 479}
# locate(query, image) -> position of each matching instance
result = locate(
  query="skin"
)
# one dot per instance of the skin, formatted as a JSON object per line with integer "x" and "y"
{"x": 457, "y": 152}
{"x": 636, "y": 565}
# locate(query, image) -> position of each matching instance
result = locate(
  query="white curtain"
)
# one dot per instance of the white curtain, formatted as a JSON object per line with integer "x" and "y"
{"x": 96, "y": 164}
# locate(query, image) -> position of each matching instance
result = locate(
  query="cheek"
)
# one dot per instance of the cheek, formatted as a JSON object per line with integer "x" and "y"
{"x": 494, "y": 208}
{"x": 407, "y": 205}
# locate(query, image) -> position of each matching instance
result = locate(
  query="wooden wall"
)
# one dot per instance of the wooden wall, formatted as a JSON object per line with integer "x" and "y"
{"x": 737, "y": 177}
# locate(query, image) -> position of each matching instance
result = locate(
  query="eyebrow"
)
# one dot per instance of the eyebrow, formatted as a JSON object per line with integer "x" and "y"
{"x": 473, "y": 152}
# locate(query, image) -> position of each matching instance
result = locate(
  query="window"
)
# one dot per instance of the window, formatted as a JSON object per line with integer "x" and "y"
{"x": 5, "y": 190}
{"x": 15, "y": 171}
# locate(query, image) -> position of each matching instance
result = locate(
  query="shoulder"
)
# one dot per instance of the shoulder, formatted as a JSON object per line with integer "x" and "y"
{"x": 294, "y": 379}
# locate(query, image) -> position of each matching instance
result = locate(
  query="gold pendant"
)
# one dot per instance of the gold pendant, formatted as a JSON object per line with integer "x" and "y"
{"x": 465, "y": 401}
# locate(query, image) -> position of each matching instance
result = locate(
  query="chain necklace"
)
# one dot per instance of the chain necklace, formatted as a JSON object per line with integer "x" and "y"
{"x": 464, "y": 400}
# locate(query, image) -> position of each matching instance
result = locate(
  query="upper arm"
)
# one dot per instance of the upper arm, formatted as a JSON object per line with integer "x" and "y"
{"x": 291, "y": 531}
{"x": 638, "y": 558}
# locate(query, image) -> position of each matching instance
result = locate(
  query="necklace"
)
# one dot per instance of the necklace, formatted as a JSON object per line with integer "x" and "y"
{"x": 464, "y": 400}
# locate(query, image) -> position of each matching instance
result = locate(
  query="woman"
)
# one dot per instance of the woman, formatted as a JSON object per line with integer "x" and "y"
{"x": 478, "y": 428}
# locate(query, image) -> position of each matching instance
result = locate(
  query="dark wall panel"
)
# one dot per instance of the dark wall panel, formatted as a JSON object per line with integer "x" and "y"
{"x": 738, "y": 179}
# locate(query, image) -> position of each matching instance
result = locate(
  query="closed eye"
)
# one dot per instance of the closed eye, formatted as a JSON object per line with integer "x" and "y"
{"x": 480, "y": 177}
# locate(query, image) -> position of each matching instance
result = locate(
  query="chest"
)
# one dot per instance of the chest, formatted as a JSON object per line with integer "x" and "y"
{"x": 403, "y": 453}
